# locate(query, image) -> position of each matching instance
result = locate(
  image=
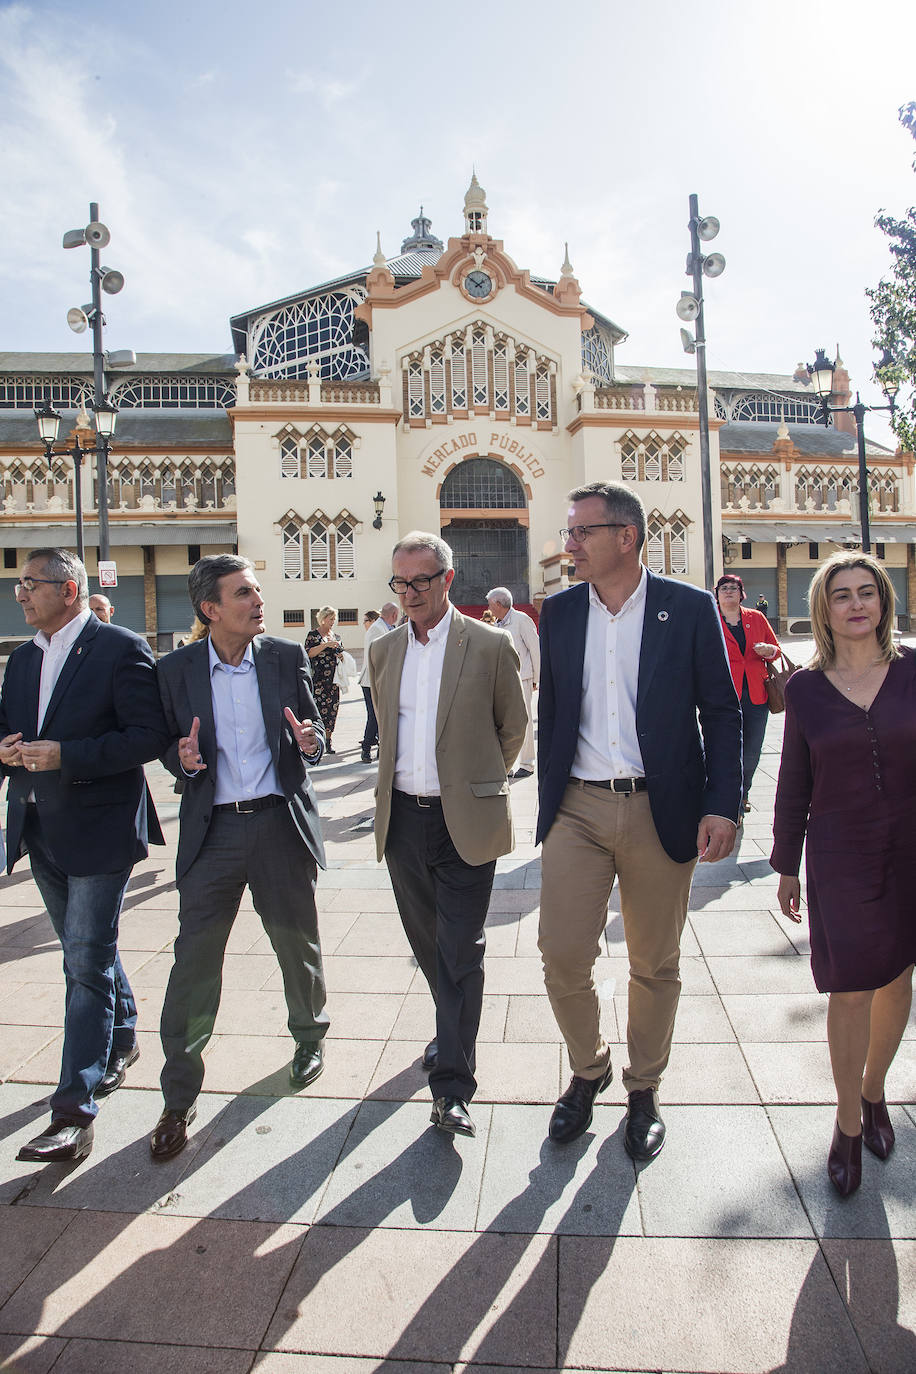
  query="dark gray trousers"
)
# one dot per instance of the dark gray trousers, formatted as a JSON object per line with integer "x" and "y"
{"x": 443, "y": 905}
{"x": 265, "y": 852}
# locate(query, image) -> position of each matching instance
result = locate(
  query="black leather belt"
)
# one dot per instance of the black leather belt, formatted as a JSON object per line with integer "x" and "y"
{"x": 423, "y": 802}
{"x": 246, "y": 808}
{"x": 625, "y": 785}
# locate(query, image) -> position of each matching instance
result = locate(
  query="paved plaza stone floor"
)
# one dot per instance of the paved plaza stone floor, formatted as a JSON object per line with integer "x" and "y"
{"x": 334, "y": 1231}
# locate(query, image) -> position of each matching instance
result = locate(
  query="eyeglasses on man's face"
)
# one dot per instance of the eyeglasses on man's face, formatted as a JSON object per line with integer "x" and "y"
{"x": 579, "y": 533}
{"x": 401, "y": 586}
{"x": 28, "y": 584}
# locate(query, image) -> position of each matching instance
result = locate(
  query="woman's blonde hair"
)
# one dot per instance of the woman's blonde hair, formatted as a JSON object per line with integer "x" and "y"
{"x": 325, "y": 612}
{"x": 819, "y": 607}
{"x": 197, "y": 631}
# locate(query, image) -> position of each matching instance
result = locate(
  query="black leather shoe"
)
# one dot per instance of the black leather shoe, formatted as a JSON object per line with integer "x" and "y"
{"x": 572, "y": 1115}
{"x": 523, "y": 773}
{"x": 116, "y": 1072}
{"x": 308, "y": 1063}
{"x": 63, "y": 1140}
{"x": 430, "y": 1057}
{"x": 450, "y": 1114}
{"x": 365, "y": 756}
{"x": 645, "y": 1132}
{"x": 171, "y": 1133}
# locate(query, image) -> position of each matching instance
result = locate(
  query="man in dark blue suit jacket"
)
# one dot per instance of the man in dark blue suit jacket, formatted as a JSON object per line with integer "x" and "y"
{"x": 243, "y": 724}
{"x": 632, "y": 784}
{"x": 79, "y": 716}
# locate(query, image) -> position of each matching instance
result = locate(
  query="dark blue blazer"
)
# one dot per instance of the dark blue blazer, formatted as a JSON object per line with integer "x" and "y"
{"x": 97, "y": 815}
{"x": 693, "y": 768}
{"x": 284, "y": 679}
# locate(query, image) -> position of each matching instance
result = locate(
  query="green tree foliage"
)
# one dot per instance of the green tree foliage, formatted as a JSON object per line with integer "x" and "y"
{"x": 893, "y": 307}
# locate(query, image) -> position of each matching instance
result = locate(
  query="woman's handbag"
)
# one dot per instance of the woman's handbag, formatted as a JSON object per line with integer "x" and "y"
{"x": 776, "y": 681}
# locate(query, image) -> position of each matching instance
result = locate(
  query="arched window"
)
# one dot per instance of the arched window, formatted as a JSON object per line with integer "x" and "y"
{"x": 317, "y": 461}
{"x": 345, "y": 550}
{"x": 415, "y": 400}
{"x": 319, "y": 551}
{"x": 655, "y": 545}
{"x": 482, "y": 484}
{"x": 343, "y": 456}
{"x": 666, "y": 543}
{"x": 437, "y": 382}
{"x": 207, "y": 485}
{"x": 501, "y": 375}
{"x": 522, "y": 383}
{"x": 479, "y": 368}
{"x": 147, "y": 479}
{"x": 459, "y": 376}
{"x": 284, "y": 342}
{"x": 542, "y": 392}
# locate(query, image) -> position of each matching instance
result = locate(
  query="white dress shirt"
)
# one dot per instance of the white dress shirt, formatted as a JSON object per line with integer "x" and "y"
{"x": 608, "y": 744}
{"x": 244, "y": 764}
{"x": 56, "y": 651}
{"x": 415, "y": 768}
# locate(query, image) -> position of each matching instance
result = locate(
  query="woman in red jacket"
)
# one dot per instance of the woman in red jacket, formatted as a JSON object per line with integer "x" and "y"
{"x": 750, "y": 642}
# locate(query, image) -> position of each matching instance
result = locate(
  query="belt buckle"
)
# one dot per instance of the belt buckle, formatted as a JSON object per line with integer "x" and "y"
{"x": 424, "y": 803}
{"x": 623, "y": 786}
{"x": 244, "y": 809}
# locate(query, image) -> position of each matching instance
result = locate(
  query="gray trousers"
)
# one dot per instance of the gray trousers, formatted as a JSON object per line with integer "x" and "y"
{"x": 265, "y": 852}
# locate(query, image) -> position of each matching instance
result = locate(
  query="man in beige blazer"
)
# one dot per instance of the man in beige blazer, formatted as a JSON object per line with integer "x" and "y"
{"x": 452, "y": 718}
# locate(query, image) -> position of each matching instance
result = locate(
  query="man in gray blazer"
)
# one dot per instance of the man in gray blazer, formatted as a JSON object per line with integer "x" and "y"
{"x": 525, "y": 638}
{"x": 244, "y": 724}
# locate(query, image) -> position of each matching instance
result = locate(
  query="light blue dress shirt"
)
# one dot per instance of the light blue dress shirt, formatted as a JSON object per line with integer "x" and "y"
{"x": 244, "y": 766}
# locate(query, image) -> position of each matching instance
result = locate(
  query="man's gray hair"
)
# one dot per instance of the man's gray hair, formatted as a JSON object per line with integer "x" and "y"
{"x": 619, "y": 502}
{"x": 418, "y": 540}
{"x": 63, "y": 566}
{"x": 502, "y": 595}
{"x": 204, "y": 578}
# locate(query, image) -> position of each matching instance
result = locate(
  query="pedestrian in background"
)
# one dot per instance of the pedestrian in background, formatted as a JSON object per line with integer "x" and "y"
{"x": 376, "y": 624}
{"x": 525, "y": 638}
{"x": 325, "y": 651}
{"x": 101, "y": 607}
{"x": 749, "y": 643}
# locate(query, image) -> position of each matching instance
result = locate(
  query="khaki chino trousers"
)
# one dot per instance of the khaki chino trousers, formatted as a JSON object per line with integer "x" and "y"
{"x": 599, "y": 835}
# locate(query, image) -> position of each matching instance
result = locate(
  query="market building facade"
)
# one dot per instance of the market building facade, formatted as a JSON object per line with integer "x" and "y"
{"x": 445, "y": 389}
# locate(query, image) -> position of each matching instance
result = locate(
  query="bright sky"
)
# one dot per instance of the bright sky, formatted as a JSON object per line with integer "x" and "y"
{"x": 241, "y": 152}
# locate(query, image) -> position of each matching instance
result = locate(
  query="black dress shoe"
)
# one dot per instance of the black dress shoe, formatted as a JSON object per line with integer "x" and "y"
{"x": 63, "y": 1140}
{"x": 450, "y": 1114}
{"x": 572, "y": 1115}
{"x": 645, "y": 1132}
{"x": 308, "y": 1063}
{"x": 877, "y": 1131}
{"x": 523, "y": 773}
{"x": 430, "y": 1057}
{"x": 116, "y": 1072}
{"x": 844, "y": 1162}
{"x": 171, "y": 1133}
{"x": 365, "y": 756}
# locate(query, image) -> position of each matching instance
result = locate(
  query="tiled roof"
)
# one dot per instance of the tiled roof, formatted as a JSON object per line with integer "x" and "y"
{"x": 140, "y": 426}
{"x": 75, "y": 363}
{"x": 752, "y": 437}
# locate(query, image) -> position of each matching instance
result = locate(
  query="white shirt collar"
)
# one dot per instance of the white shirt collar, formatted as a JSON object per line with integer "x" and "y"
{"x": 66, "y": 636}
{"x": 438, "y": 631}
{"x": 217, "y": 662}
{"x": 636, "y": 598}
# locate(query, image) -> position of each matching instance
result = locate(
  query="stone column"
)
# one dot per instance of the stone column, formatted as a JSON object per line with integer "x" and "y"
{"x": 782, "y": 591}
{"x": 151, "y": 618}
{"x": 908, "y": 619}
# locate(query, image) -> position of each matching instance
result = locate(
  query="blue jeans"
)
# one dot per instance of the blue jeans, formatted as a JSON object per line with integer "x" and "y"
{"x": 754, "y": 727}
{"x": 100, "y": 1012}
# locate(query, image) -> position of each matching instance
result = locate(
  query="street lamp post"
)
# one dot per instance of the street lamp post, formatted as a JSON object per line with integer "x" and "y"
{"x": 821, "y": 373}
{"x": 48, "y": 427}
{"x": 690, "y": 307}
{"x": 110, "y": 280}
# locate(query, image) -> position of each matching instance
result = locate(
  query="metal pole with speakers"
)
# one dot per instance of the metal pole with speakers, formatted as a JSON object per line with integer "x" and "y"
{"x": 690, "y": 308}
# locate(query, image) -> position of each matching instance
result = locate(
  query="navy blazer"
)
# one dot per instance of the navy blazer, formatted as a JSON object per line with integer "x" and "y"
{"x": 683, "y": 673}
{"x": 97, "y": 815}
{"x": 284, "y": 679}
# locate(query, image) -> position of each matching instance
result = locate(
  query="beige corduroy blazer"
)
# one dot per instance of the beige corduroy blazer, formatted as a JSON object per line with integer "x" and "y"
{"x": 480, "y": 728}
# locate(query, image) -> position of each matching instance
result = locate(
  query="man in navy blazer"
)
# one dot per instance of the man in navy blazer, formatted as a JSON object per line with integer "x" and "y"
{"x": 79, "y": 716}
{"x": 244, "y": 724}
{"x": 639, "y": 763}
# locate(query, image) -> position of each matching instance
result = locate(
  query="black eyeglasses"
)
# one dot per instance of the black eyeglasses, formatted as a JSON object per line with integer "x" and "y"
{"x": 28, "y": 584}
{"x": 580, "y": 533}
{"x": 400, "y": 585}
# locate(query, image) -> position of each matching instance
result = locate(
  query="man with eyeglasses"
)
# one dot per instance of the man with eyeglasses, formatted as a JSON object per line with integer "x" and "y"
{"x": 639, "y": 763}
{"x": 452, "y": 719}
{"x": 79, "y": 716}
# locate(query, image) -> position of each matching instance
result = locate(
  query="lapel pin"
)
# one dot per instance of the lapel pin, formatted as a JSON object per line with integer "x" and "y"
{"x": 663, "y": 615}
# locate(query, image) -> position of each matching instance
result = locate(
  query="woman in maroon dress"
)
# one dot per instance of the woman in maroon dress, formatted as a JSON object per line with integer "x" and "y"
{"x": 847, "y": 782}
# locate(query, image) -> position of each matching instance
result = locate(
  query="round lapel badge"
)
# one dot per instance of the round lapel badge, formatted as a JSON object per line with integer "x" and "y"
{"x": 663, "y": 615}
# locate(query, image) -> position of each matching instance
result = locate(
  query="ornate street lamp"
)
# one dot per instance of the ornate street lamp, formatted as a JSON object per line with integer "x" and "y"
{"x": 378, "y": 501}
{"x": 821, "y": 373}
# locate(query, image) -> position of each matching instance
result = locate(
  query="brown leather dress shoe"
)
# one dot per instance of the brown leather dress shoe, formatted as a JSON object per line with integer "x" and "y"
{"x": 308, "y": 1063}
{"x": 63, "y": 1140}
{"x": 645, "y": 1131}
{"x": 450, "y": 1114}
{"x": 171, "y": 1133}
{"x": 572, "y": 1115}
{"x": 116, "y": 1072}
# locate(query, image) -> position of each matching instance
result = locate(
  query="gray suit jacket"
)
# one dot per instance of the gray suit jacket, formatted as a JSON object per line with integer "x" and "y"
{"x": 284, "y": 680}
